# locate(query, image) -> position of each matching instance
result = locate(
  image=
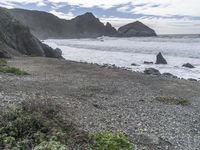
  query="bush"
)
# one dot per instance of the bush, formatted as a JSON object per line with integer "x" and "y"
{"x": 36, "y": 125}
{"x": 110, "y": 141}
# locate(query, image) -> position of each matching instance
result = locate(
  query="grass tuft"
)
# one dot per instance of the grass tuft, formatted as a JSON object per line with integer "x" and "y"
{"x": 110, "y": 141}
{"x": 173, "y": 100}
{"x": 4, "y": 68}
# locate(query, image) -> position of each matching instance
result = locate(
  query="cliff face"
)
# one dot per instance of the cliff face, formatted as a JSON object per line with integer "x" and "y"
{"x": 45, "y": 25}
{"x": 16, "y": 39}
{"x": 136, "y": 29}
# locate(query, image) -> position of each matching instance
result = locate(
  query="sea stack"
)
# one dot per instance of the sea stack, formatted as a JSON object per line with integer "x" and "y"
{"x": 160, "y": 59}
{"x": 136, "y": 29}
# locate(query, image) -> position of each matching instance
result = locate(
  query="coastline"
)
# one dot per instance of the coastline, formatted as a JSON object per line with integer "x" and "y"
{"x": 108, "y": 98}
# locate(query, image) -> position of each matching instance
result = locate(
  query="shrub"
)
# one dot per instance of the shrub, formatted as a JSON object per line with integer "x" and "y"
{"x": 36, "y": 125}
{"x": 110, "y": 141}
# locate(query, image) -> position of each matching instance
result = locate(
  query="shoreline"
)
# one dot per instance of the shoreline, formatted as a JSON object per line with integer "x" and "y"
{"x": 98, "y": 98}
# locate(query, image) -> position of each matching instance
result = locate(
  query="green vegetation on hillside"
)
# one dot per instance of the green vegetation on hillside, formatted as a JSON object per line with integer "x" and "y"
{"x": 37, "y": 125}
{"x": 4, "y": 68}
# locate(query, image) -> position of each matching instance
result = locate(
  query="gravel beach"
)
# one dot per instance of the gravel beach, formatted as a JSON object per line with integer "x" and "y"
{"x": 97, "y": 98}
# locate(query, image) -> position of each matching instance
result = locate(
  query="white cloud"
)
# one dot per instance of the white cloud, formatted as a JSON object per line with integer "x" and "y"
{"x": 61, "y": 15}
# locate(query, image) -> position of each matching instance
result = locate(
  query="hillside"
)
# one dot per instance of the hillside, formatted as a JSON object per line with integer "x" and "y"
{"x": 45, "y": 25}
{"x": 16, "y": 39}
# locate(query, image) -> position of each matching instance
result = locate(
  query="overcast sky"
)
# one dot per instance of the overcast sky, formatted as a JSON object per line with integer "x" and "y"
{"x": 165, "y": 16}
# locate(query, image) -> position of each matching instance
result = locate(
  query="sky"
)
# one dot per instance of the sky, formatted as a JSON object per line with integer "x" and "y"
{"x": 164, "y": 16}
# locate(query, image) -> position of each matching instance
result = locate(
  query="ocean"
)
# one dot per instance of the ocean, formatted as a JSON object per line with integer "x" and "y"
{"x": 177, "y": 50}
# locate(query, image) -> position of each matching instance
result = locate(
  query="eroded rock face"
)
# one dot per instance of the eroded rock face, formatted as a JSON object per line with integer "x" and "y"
{"x": 16, "y": 38}
{"x": 188, "y": 65}
{"x": 83, "y": 26}
{"x": 152, "y": 71}
{"x": 136, "y": 29}
{"x": 160, "y": 59}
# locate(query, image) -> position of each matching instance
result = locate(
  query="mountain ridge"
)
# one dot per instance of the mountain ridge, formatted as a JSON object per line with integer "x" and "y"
{"x": 46, "y": 25}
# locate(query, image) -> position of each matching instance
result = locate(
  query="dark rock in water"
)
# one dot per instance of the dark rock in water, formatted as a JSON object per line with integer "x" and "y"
{"x": 136, "y": 29}
{"x": 148, "y": 62}
{"x": 160, "y": 59}
{"x": 16, "y": 39}
{"x": 169, "y": 75}
{"x": 152, "y": 71}
{"x": 191, "y": 79}
{"x": 133, "y": 64}
{"x": 188, "y": 65}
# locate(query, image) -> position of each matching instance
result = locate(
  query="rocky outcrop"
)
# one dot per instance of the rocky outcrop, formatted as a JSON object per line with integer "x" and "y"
{"x": 160, "y": 59}
{"x": 188, "y": 65}
{"x": 136, "y": 29}
{"x": 44, "y": 25}
{"x": 16, "y": 39}
{"x": 152, "y": 71}
{"x": 169, "y": 75}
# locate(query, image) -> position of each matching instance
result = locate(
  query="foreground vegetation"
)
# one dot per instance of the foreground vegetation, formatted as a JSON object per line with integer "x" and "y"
{"x": 36, "y": 125}
{"x": 4, "y": 68}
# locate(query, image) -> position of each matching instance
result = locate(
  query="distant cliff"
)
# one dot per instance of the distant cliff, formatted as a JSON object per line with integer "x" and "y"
{"x": 45, "y": 25}
{"x": 16, "y": 39}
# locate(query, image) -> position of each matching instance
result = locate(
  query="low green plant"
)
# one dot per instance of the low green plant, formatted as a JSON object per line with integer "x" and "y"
{"x": 3, "y": 62}
{"x": 51, "y": 145}
{"x": 110, "y": 141}
{"x": 4, "y": 68}
{"x": 36, "y": 125}
{"x": 173, "y": 100}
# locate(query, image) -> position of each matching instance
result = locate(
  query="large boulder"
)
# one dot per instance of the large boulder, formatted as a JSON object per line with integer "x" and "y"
{"x": 188, "y": 65}
{"x": 160, "y": 59}
{"x": 136, "y": 29}
{"x": 152, "y": 71}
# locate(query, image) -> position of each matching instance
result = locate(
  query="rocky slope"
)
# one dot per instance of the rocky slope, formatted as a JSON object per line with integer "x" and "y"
{"x": 45, "y": 25}
{"x": 136, "y": 29}
{"x": 16, "y": 39}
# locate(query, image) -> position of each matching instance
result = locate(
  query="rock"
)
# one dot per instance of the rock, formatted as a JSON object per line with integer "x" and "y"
{"x": 160, "y": 59}
{"x": 148, "y": 62}
{"x": 133, "y": 64}
{"x": 188, "y": 65}
{"x": 191, "y": 79}
{"x": 136, "y": 29}
{"x": 169, "y": 75}
{"x": 110, "y": 30}
{"x": 152, "y": 71}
